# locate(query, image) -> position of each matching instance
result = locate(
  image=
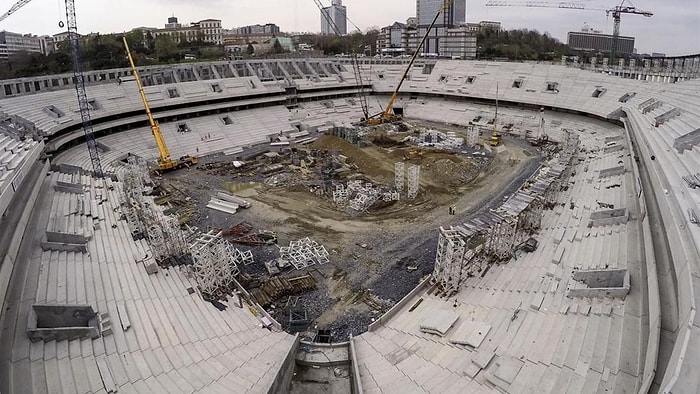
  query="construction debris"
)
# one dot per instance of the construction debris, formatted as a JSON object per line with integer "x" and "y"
{"x": 303, "y": 253}
{"x": 261, "y": 238}
{"x": 239, "y": 229}
{"x": 276, "y": 288}
{"x": 233, "y": 199}
{"x": 439, "y": 140}
{"x": 361, "y": 196}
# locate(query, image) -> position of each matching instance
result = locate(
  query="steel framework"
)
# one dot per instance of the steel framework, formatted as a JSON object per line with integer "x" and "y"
{"x": 413, "y": 181}
{"x": 79, "y": 81}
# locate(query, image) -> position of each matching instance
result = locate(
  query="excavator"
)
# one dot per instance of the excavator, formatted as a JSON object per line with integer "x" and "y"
{"x": 165, "y": 162}
{"x": 386, "y": 116}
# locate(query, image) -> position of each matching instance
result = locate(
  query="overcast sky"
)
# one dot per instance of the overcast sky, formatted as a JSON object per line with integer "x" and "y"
{"x": 674, "y": 29}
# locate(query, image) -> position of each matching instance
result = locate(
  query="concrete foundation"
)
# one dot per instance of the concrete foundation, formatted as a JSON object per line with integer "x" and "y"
{"x": 609, "y": 217}
{"x": 601, "y": 283}
{"x": 60, "y": 322}
{"x": 68, "y": 187}
{"x": 62, "y": 238}
{"x": 608, "y": 172}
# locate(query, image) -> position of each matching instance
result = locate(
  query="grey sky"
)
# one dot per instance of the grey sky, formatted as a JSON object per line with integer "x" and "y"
{"x": 674, "y": 29}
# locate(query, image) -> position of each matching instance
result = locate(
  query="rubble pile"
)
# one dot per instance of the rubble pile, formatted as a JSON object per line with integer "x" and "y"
{"x": 360, "y": 196}
{"x": 438, "y": 139}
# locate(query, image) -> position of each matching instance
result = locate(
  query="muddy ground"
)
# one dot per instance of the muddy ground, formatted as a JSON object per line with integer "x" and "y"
{"x": 376, "y": 257}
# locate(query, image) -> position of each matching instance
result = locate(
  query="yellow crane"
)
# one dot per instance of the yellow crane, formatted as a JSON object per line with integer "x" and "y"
{"x": 164, "y": 162}
{"x": 386, "y": 116}
{"x": 495, "y": 139}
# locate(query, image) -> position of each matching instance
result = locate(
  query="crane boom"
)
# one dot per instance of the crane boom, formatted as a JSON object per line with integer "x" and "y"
{"x": 14, "y": 8}
{"x": 155, "y": 128}
{"x": 386, "y": 114}
{"x": 616, "y": 13}
{"x": 544, "y": 4}
{"x": 353, "y": 59}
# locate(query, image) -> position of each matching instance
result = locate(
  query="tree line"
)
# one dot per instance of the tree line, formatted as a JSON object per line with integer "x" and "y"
{"x": 105, "y": 51}
{"x": 520, "y": 44}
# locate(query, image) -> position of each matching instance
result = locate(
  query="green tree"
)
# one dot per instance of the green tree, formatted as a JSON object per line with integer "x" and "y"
{"x": 520, "y": 44}
{"x": 138, "y": 41}
{"x": 277, "y": 47}
{"x": 165, "y": 48}
{"x": 250, "y": 50}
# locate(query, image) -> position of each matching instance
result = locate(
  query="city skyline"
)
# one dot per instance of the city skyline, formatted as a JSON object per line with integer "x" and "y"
{"x": 671, "y": 30}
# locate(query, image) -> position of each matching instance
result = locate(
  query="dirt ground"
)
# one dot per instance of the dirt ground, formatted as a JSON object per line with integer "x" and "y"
{"x": 376, "y": 257}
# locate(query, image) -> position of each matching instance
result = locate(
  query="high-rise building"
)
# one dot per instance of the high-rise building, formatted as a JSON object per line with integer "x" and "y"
{"x": 454, "y": 16}
{"x": 401, "y": 39}
{"x": 338, "y": 14}
{"x": 11, "y": 43}
{"x": 599, "y": 42}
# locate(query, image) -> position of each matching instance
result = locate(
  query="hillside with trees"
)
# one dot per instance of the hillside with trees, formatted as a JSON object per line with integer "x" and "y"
{"x": 106, "y": 51}
{"x": 519, "y": 44}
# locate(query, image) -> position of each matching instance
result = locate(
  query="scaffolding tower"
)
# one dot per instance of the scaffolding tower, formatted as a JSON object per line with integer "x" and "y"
{"x": 215, "y": 263}
{"x": 413, "y": 178}
{"x": 451, "y": 260}
{"x": 399, "y": 171}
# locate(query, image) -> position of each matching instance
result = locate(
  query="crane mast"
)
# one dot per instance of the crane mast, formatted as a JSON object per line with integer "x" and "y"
{"x": 155, "y": 128}
{"x": 616, "y": 13}
{"x": 79, "y": 82}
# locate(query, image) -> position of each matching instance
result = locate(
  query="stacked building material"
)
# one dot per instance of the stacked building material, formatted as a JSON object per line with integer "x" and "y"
{"x": 242, "y": 203}
{"x": 303, "y": 253}
{"x": 439, "y": 140}
{"x": 276, "y": 288}
{"x": 222, "y": 206}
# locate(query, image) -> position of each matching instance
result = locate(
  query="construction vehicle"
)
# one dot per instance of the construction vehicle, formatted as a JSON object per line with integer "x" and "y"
{"x": 386, "y": 116}
{"x": 165, "y": 162}
{"x": 413, "y": 154}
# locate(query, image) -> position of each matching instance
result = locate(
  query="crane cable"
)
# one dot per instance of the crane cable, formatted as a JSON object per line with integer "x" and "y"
{"x": 60, "y": 19}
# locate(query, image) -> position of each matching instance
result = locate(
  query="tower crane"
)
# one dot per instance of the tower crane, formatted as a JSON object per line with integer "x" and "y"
{"x": 616, "y": 12}
{"x": 78, "y": 79}
{"x": 164, "y": 162}
{"x": 386, "y": 115}
{"x": 353, "y": 59}
{"x": 14, "y": 8}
